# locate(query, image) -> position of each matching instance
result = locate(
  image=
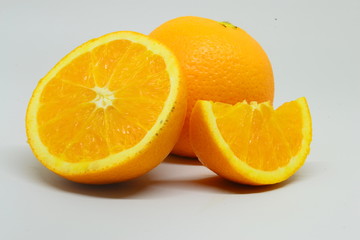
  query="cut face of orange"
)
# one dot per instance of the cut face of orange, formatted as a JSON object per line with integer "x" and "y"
{"x": 109, "y": 111}
{"x": 252, "y": 143}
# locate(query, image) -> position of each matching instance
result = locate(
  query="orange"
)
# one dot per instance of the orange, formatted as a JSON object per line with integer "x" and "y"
{"x": 109, "y": 111}
{"x": 220, "y": 62}
{"x": 252, "y": 143}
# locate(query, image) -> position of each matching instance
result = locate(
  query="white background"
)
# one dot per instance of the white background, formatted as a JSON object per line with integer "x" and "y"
{"x": 314, "y": 50}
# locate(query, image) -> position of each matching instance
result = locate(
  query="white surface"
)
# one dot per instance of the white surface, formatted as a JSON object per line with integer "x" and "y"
{"x": 314, "y": 49}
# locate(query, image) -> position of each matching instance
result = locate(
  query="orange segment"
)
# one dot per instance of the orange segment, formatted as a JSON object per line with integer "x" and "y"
{"x": 105, "y": 106}
{"x": 59, "y": 131}
{"x": 78, "y": 72}
{"x": 289, "y": 125}
{"x": 106, "y": 57}
{"x": 90, "y": 141}
{"x": 252, "y": 143}
{"x": 62, "y": 88}
{"x": 123, "y": 133}
{"x": 228, "y": 121}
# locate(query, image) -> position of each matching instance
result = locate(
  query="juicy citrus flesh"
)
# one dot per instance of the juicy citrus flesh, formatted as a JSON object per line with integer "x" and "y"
{"x": 103, "y": 105}
{"x": 97, "y": 112}
{"x": 252, "y": 143}
{"x": 220, "y": 62}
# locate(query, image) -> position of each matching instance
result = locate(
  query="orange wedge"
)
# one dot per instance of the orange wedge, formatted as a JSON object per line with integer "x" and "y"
{"x": 252, "y": 143}
{"x": 109, "y": 111}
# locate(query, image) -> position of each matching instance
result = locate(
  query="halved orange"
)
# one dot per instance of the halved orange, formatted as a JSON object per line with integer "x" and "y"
{"x": 252, "y": 143}
{"x": 109, "y": 111}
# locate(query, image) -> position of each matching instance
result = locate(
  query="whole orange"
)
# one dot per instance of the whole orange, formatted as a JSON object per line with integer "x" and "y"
{"x": 220, "y": 62}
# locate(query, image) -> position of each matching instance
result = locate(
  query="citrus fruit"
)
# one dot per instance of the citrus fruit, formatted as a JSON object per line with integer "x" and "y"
{"x": 252, "y": 143}
{"x": 220, "y": 62}
{"x": 111, "y": 110}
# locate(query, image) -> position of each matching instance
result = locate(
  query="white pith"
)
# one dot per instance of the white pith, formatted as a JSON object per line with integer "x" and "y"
{"x": 104, "y": 97}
